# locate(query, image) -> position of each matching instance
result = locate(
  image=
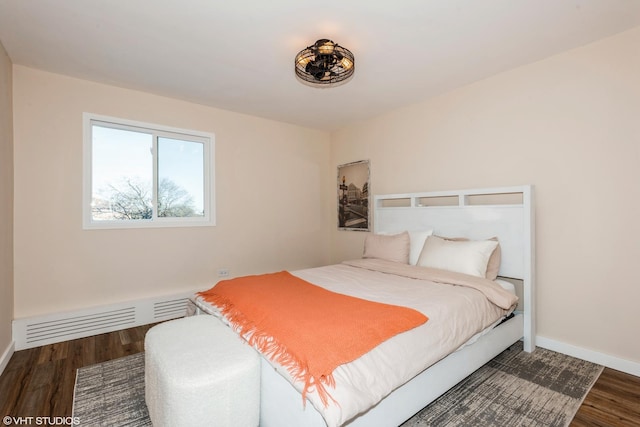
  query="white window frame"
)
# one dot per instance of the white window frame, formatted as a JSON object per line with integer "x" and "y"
{"x": 208, "y": 140}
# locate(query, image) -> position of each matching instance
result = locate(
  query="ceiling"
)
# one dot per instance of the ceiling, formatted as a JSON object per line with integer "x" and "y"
{"x": 238, "y": 55}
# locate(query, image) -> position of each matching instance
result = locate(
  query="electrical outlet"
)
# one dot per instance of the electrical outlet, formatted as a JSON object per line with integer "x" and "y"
{"x": 223, "y": 272}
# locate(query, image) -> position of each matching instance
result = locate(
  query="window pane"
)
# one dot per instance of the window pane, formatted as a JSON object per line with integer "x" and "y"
{"x": 180, "y": 178}
{"x": 122, "y": 174}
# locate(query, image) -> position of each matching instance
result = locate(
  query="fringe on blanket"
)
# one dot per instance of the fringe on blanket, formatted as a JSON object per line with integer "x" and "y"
{"x": 275, "y": 351}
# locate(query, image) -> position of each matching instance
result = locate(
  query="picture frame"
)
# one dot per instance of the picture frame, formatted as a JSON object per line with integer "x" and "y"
{"x": 353, "y": 196}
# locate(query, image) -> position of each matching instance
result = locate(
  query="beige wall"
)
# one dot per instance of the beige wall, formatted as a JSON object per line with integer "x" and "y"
{"x": 272, "y": 188}
{"x": 6, "y": 201}
{"x": 570, "y": 125}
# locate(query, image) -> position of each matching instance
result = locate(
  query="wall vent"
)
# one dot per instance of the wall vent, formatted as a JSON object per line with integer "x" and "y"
{"x": 170, "y": 309}
{"x": 41, "y": 330}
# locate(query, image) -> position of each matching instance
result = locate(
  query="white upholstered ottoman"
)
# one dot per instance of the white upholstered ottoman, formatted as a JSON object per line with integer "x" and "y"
{"x": 198, "y": 372}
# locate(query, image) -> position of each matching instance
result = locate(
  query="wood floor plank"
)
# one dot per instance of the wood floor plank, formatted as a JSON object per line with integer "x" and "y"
{"x": 75, "y": 359}
{"x": 613, "y": 401}
{"x": 40, "y": 381}
{"x": 11, "y": 388}
{"x": 102, "y": 348}
{"x": 88, "y": 350}
{"x": 53, "y": 352}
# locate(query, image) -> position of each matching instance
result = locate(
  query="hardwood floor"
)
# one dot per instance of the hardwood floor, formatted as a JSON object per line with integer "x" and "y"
{"x": 39, "y": 382}
{"x": 614, "y": 400}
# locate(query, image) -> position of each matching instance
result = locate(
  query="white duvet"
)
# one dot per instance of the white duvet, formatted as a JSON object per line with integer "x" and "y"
{"x": 456, "y": 313}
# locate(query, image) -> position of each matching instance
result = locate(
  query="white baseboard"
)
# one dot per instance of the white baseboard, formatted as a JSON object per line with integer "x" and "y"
{"x": 57, "y": 327}
{"x": 603, "y": 359}
{"x": 4, "y": 359}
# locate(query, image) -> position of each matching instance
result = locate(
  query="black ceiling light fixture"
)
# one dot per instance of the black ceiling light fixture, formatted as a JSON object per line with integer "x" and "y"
{"x": 324, "y": 64}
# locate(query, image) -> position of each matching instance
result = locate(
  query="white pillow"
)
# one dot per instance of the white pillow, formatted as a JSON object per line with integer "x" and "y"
{"x": 416, "y": 243}
{"x": 468, "y": 257}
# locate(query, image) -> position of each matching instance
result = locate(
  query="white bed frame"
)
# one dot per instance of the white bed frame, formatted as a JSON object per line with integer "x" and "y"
{"x": 512, "y": 223}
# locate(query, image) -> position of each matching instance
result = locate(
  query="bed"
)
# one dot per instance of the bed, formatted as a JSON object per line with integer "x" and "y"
{"x": 397, "y": 378}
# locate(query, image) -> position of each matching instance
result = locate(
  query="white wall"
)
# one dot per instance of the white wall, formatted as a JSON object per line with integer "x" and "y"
{"x": 569, "y": 125}
{"x": 272, "y": 186}
{"x": 6, "y": 203}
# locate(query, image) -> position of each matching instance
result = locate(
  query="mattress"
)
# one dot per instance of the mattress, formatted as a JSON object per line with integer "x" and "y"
{"x": 457, "y": 315}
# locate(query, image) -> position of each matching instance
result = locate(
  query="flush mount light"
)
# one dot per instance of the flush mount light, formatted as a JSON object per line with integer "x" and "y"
{"x": 324, "y": 64}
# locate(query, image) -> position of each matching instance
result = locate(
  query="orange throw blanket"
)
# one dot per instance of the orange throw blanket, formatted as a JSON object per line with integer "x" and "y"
{"x": 305, "y": 328}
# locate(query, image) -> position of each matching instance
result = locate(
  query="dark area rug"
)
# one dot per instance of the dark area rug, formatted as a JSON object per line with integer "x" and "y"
{"x": 111, "y": 394}
{"x": 542, "y": 388}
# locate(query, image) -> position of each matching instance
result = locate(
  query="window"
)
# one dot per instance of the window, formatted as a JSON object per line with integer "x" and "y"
{"x": 144, "y": 175}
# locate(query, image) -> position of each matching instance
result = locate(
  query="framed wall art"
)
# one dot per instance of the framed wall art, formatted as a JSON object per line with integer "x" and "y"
{"x": 353, "y": 196}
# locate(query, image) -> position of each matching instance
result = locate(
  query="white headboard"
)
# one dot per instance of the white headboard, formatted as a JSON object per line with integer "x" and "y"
{"x": 506, "y": 213}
